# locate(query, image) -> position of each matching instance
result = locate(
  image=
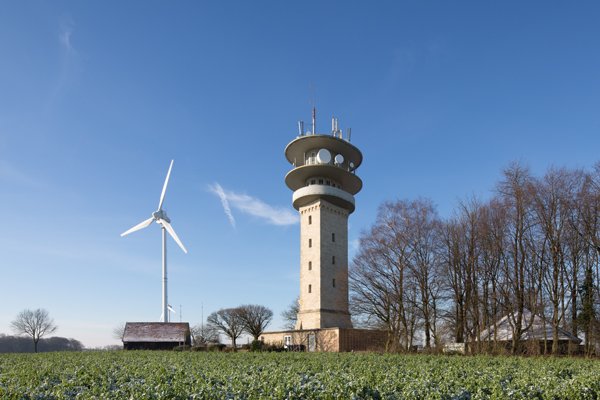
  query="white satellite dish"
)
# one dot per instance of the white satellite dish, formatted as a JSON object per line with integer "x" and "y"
{"x": 339, "y": 159}
{"x": 323, "y": 156}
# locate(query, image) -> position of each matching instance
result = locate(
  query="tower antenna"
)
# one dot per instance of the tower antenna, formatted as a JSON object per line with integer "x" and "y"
{"x": 311, "y": 89}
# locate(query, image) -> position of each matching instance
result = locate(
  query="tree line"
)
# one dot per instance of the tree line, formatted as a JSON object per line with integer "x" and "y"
{"x": 31, "y": 326}
{"x": 252, "y": 319}
{"x": 532, "y": 249}
{"x": 22, "y": 344}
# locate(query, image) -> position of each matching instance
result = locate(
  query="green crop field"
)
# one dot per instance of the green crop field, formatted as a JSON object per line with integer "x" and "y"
{"x": 191, "y": 375}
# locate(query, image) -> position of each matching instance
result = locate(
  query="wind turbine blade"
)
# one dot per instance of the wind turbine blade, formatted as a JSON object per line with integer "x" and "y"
{"x": 169, "y": 229}
{"x": 171, "y": 309}
{"x": 162, "y": 195}
{"x": 139, "y": 226}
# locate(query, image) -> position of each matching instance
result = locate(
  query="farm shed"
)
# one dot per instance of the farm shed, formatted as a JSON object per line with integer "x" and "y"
{"x": 156, "y": 335}
{"x": 537, "y": 332}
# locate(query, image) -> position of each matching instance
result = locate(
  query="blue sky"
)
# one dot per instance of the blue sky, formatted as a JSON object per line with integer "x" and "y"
{"x": 97, "y": 98}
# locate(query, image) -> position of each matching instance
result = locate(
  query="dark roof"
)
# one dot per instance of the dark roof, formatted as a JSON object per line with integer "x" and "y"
{"x": 156, "y": 332}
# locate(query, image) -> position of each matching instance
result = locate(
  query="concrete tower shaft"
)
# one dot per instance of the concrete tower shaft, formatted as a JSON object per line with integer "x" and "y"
{"x": 324, "y": 182}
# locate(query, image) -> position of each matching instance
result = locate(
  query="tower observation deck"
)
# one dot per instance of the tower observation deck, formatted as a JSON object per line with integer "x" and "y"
{"x": 324, "y": 183}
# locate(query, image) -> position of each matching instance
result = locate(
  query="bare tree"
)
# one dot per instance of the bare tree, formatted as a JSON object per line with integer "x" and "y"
{"x": 493, "y": 228}
{"x": 587, "y": 225}
{"x": 36, "y": 324}
{"x": 452, "y": 257}
{"x": 290, "y": 314}
{"x": 519, "y": 271}
{"x": 255, "y": 318}
{"x": 552, "y": 205}
{"x": 423, "y": 226}
{"x": 204, "y": 334}
{"x": 228, "y": 322}
{"x": 385, "y": 278}
{"x": 119, "y": 331}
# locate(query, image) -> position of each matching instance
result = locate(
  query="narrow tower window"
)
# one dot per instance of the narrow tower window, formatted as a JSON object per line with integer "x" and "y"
{"x": 309, "y": 242}
{"x": 333, "y": 237}
{"x": 333, "y": 259}
{"x": 310, "y": 219}
{"x": 309, "y": 288}
{"x": 333, "y": 282}
{"x": 310, "y": 265}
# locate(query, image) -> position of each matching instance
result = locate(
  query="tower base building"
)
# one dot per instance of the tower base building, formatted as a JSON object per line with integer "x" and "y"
{"x": 328, "y": 339}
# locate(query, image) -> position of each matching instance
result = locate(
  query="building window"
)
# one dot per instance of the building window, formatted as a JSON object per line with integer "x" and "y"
{"x": 313, "y": 181}
{"x": 333, "y": 237}
{"x": 333, "y": 259}
{"x": 309, "y": 288}
{"x": 310, "y": 219}
{"x": 320, "y": 181}
{"x": 328, "y": 183}
{"x": 333, "y": 282}
{"x": 310, "y": 265}
{"x": 309, "y": 242}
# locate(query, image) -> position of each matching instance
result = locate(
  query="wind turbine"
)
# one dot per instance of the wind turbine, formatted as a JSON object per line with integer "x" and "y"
{"x": 170, "y": 310}
{"x": 160, "y": 216}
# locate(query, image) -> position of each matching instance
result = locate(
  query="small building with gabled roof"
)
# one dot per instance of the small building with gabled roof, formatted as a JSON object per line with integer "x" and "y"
{"x": 534, "y": 329}
{"x": 156, "y": 335}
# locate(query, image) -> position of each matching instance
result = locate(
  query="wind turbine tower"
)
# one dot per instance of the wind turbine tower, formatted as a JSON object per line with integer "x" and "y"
{"x": 161, "y": 218}
{"x": 324, "y": 182}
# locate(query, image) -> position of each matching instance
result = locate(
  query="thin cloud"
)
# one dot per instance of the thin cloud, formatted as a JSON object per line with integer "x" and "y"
{"x": 218, "y": 190}
{"x": 70, "y": 65}
{"x": 65, "y": 37}
{"x": 10, "y": 173}
{"x": 252, "y": 206}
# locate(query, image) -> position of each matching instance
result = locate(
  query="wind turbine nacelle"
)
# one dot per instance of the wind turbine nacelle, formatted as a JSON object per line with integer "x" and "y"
{"x": 160, "y": 214}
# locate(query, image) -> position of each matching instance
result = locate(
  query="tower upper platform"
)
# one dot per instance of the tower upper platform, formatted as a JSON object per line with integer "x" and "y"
{"x": 324, "y": 166}
{"x": 295, "y": 151}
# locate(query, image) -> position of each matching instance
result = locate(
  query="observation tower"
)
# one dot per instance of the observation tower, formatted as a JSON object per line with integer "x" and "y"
{"x": 324, "y": 183}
